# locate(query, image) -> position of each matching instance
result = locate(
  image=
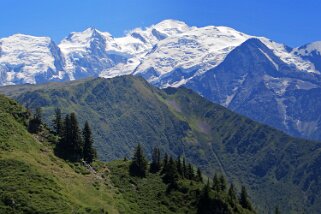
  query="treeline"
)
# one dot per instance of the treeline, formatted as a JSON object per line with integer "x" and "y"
{"x": 173, "y": 170}
{"x": 74, "y": 144}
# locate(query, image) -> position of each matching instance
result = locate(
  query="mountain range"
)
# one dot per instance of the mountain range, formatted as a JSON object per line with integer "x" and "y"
{"x": 254, "y": 76}
{"x": 278, "y": 170}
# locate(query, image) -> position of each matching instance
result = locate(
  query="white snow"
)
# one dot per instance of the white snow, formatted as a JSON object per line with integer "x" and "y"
{"x": 26, "y": 56}
{"x": 308, "y": 49}
{"x": 163, "y": 47}
{"x": 269, "y": 58}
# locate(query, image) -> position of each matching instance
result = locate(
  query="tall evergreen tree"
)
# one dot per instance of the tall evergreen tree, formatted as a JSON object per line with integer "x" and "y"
{"x": 216, "y": 183}
{"x": 244, "y": 200}
{"x": 58, "y": 123}
{"x": 138, "y": 167}
{"x": 190, "y": 172}
{"x": 38, "y": 114}
{"x": 89, "y": 151}
{"x": 165, "y": 163}
{"x": 199, "y": 176}
{"x": 184, "y": 168}
{"x": 35, "y": 123}
{"x": 70, "y": 146}
{"x": 76, "y": 141}
{"x": 223, "y": 184}
{"x": 171, "y": 174}
{"x": 179, "y": 166}
{"x": 232, "y": 198}
{"x": 156, "y": 161}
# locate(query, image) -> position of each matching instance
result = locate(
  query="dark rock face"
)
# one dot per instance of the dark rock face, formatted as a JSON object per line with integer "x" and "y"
{"x": 254, "y": 82}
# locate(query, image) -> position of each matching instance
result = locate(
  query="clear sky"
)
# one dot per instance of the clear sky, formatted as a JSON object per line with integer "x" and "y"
{"x": 293, "y": 22}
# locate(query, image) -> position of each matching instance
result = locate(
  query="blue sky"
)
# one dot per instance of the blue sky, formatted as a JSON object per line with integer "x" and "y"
{"x": 293, "y": 22}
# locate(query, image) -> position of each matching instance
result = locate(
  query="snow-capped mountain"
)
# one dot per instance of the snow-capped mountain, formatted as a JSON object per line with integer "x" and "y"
{"x": 29, "y": 59}
{"x": 255, "y": 76}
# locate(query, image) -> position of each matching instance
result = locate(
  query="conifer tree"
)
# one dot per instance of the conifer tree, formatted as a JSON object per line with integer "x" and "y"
{"x": 38, "y": 114}
{"x": 199, "y": 175}
{"x": 58, "y": 123}
{"x": 223, "y": 184}
{"x": 165, "y": 163}
{"x": 232, "y": 198}
{"x": 190, "y": 172}
{"x": 156, "y": 162}
{"x": 216, "y": 183}
{"x": 179, "y": 166}
{"x": 138, "y": 167}
{"x": 89, "y": 151}
{"x": 171, "y": 174}
{"x": 277, "y": 211}
{"x": 244, "y": 200}
{"x": 184, "y": 168}
{"x": 76, "y": 142}
{"x": 35, "y": 123}
{"x": 70, "y": 146}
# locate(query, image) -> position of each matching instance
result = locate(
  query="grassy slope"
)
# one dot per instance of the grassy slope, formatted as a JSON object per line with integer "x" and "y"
{"x": 280, "y": 170}
{"x": 149, "y": 195}
{"x": 33, "y": 179}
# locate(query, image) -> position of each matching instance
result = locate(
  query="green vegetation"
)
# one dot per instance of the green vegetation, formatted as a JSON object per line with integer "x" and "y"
{"x": 34, "y": 180}
{"x": 276, "y": 169}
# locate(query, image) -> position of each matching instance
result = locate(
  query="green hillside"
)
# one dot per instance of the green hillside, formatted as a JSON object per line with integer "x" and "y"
{"x": 277, "y": 169}
{"x": 34, "y": 180}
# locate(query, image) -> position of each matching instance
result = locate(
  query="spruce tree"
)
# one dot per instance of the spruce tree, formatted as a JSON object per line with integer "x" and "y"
{"x": 171, "y": 174}
{"x": 232, "y": 198}
{"x": 216, "y": 183}
{"x": 138, "y": 167}
{"x": 199, "y": 175}
{"x": 70, "y": 146}
{"x": 35, "y": 123}
{"x": 184, "y": 168}
{"x": 223, "y": 184}
{"x": 58, "y": 123}
{"x": 165, "y": 163}
{"x": 89, "y": 151}
{"x": 179, "y": 166}
{"x": 156, "y": 162}
{"x": 76, "y": 141}
{"x": 244, "y": 200}
{"x": 38, "y": 114}
{"x": 190, "y": 172}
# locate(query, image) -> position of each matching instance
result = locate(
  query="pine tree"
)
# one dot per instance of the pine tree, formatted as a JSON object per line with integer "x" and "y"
{"x": 216, "y": 183}
{"x": 156, "y": 162}
{"x": 70, "y": 146}
{"x": 199, "y": 176}
{"x": 232, "y": 198}
{"x": 179, "y": 166}
{"x": 58, "y": 123}
{"x": 223, "y": 184}
{"x": 205, "y": 203}
{"x": 38, "y": 114}
{"x": 89, "y": 152}
{"x": 277, "y": 211}
{"x": 138, "y": 167}
{"x": 171, "y": 174}
{"x": 35, "y": 123}
{"x": 76, "y": 141}
{"x": 190, "y": 172}
{"x": 165, "y": 163}
{"x": 184, "y": 168}
{"x": 244, "y": 201}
